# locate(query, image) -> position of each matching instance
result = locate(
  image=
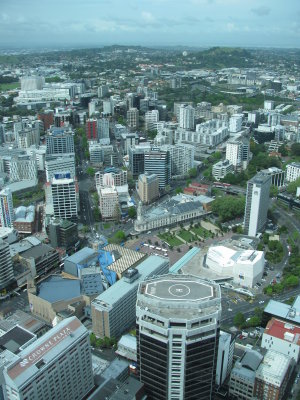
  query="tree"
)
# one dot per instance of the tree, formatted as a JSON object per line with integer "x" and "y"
{"x": 295, "y": 149}
{"x": 273, "y": 191}
{"x": 291, "y": 281}
{"x": 292, "y": 187}
{"x": 120, "y": 235}
{"x": 178, "y": 190}
{"x": 90, "y": 171}
{"x": 117, "y": 213}
{"x": 192, "y": 172}
{"x": 131, "y": 212}
{"x": 228, "y": 207}
{"x": 97, "y": 214}
{"x": 283, "y": 150}
{"x": 239, "y": 320}
{"x": 168, "y": 189}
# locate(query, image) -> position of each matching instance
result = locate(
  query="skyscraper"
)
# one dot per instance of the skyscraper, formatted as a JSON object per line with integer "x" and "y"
{"x": 257, "y": 203}
{"x": 63, "y": 190}
{"x": 91, "y": 130}
{"x": 159, "y": 162}
{"x": 6, "y": 267}
{"x": 133, "y": 118}
{"x": 178, "y": 318}
{"x": 6, "y": 208}
{"x": 187, "y": 117}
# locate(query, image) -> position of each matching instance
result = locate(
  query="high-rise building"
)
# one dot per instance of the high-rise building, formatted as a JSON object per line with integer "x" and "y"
{"x": 235, "y": 123}
{"x": 238, "y": 152}
{"x": 92, "y": 108}
{"x": 28, "y": 137}
{"x": 103, "y": 130}
{"x": 62, "y": 233}
{"x": 23, "y": 167}
{"x": 178, "y": 319}
{"x": 109, "y": 203}
{"x": 64, "y": 199}
{"x": 56, "y": 366}
{"x": 6, "y": 266}
{"x": 102, "y": 90}
{"x": 151, "y": 119}
{"x": 137, "y": 158}
{"x": 159, "y": 162}
{"x": 148, "y": 188}
{"x": 47, "y": 118}
{"x": 133, "y": 118}
{"x": 91, "y": 130}
{"x": 59, "y": 142}
{"x": 182, "y": 158}
{"x": 32, "y": 83}
{"x": 187, "y": 117}
{"x": 292, "y": 171}
{"x": 6, "y": 208}
{"x": 257, "y": 203}
{"x": 56, "y": 165}
{"x": 111, "y": 176}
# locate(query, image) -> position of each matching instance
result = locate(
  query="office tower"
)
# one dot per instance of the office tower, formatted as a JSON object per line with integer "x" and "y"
{"x": 59, "y": 142}
{"x": 238, "y": 152}
{"x": 103, "y": 129}
{"x": 109, "y": 203}
{"x": 6, "y": 266}
{"x": 32, "y": 83}
{"x": 133, "y": 118}
{"x": 91, "y": 130}
{"x": 235, "y": 123}
{"x": 257, "y": 203}
{"x": 58, "y": 365}
{"x": 55, "y": 165}
{"x": 6, "y": 208}
{"x": 159, "y": 162}
{"x": 178, "y": 318}
{"x": 62, "y": 233}
{"x": 137, "y": 158}
{"x": 63, "y": 189}
{"x": 148, "y": 187}
{"x": 102, "y": 90}
{"x": 113, "y": 311}
{"x": 187, "y": 117}
{"x": 151, "y": 119}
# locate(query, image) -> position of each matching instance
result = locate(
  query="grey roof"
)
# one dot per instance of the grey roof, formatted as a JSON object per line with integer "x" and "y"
{"x": 56, "y": 288}
{"x": 251, "y": 360}
{"x": 81, "y": 255}
{"x": 37, "y": 251}
{"x": 285, "y": 311}
{"x": 15, "y": 338}
{"x": 21, "y": 318}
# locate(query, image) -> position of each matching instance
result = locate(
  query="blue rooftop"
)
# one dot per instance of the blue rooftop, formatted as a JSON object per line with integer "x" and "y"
{"x": 56, "y": 288}
{"x": 81, "y": 255}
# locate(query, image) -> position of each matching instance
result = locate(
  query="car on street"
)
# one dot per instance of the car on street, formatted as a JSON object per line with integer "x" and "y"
{"x": 261, "y": 302}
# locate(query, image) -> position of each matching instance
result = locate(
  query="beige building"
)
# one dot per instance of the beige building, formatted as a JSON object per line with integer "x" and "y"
{"x": 148, "y": 187}
{"x": 133, "y": 118}
{"x": 108, "y": 203}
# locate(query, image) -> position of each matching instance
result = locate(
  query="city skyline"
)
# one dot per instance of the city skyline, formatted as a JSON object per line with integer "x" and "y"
{"x": 161, "y": 22}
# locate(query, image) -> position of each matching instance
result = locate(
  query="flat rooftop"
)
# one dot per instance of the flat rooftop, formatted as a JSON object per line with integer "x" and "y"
{"x": 178, "y": 290}
{"x": 14, "y": 339}
{"x": 55, "y": 288}
{"x": 273, "y": 368}
{"x": 283, "y": 330}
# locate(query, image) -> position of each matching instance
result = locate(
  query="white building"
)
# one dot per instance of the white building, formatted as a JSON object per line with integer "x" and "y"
{"x": 283, "y": 337}
{"x": 277, "y": 176}
{"x": 151, "y": 119}
{"x": 59, "y": 143}
{"x": 210, "y": 133}
{"x": 182, "y": 158}
{"x": 235, "y": 123}
{"x": 111, "y": 177}
{"x": 32, "y": 83}
{"x": 257, "y": 203}
{"x": 23, "y": 168}
{"x": 225, "y": 357}
{"x": 108, "y": 203}
{"x": 27, "y": 138}
{"x": 58, "y": 365}
{"x": 56, "y": 165}
{"x": 269, "y": 104}
{"x": 245, "y": 266}
{"x": 92, "y": 108}
{"x": 238, "y": 152}
{"x": 133, "y": 118}
{"x": 186, "y": 117}
{"x": 292, "y": 172}
{"x": 64, "y": 197}
{"x": 6, "y": 208}
{"x": 221, "y": 169}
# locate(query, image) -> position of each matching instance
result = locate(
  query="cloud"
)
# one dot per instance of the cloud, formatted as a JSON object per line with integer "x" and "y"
{"x": 147, "y": 16}
{"x": 261, "y": 11}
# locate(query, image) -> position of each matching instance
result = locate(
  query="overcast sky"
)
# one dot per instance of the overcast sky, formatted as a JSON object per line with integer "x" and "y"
{"x": 45, "y": 23}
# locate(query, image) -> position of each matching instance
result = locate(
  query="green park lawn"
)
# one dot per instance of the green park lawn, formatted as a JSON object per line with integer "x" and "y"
{"x": 9, "y": 86}
{"x": 170, "y": 239}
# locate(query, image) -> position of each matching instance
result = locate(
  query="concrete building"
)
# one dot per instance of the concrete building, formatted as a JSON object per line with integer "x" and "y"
{"x": 277, "y": 176}
{"x": 292, "y": 172}
{"x": 84, "y": 258}
{"x": 133, "y": 118}
{"x": 109, "y": 203}
{"x": 23, "y": 168}
{"x": 24, "y": 221}
{"x": 91, "y": 129}
{"x": 182, "y": 158}
{"x": 103, "y": 131}
{"x": 39, "y": 259}
{"x": 246, "y": 267}
{"x": 6, "y": 266}
{"x": 58, "y": 365}
{"x": 151, "y": 119}
{"x": 64, "y": 198}
{"x": 283, "y": 337}
{"x": 273, "y": 375}
{"x": 56, "y": 164}
{"x": 127, "y": 347}
{"x": 173, "y": 211}
{"x": 210, "y": 133}
{"x": 178, "y": 319}
{"x": 62, "y": 233}
{"x": 235, "y": 123}
{"x": 221, "y": 169}
{"x": 6, "y": 209}
{"x": 257, "y": 203}
{"x": 186, "y": 117}
{"x": 128, "y": 140}
{"x": 59, "y": 142}
{"x": 27, "y": 137}
{"x": 225, "y": 356}
{"x": 158, "y": 162}
{"x": 148, "y": 187}
{"x": 137, "y": 158}
{"x": 113, "y": 311}
{"x": 282, "y": 311}
{"x": 32, "y": 83}
{"x": 238, "y": 152}
{"x": 111, "y": 177}
{"x": 102, "y": 90}
{"x": 242, "y": 377}
{"x": 269, "y": 105}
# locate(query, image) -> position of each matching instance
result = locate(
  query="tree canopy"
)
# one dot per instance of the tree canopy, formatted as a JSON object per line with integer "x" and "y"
{"x": 228, "y": 207}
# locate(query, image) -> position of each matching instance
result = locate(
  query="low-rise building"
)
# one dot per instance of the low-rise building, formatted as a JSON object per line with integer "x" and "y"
{"x": 25, "y": 219}
{"x": 283, "y": 337}
{"x": 39, "y": 259}
{"x": 127, "y": 347}
{"x": 62, "y": 233}
{"x": 221, "y": 169}
{"x": 292, "y": 172}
